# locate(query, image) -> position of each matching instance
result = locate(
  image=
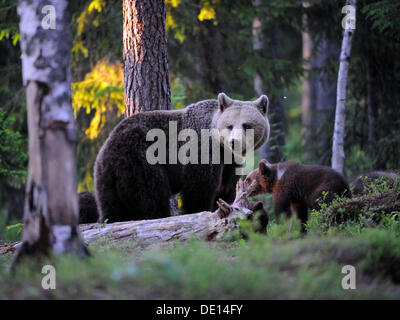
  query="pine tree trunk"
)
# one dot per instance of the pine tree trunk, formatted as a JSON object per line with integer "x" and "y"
{"x": 146, "y": 76}
{"x": 340, "y": 116}
{"x": 51, "y": 203}
{"x": 146, "y": 80}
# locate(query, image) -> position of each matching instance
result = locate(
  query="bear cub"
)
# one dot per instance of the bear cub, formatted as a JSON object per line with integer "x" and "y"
{"x": 296, "y": 185}
{"x": 87, "y": 208}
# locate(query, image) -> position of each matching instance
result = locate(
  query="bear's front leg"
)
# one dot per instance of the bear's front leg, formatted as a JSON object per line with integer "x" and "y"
{"x": 199, "y": 199}
{"x": 281, "y": 204}
{"x": 302, "y": 213}
{"x": 200, "y": 188}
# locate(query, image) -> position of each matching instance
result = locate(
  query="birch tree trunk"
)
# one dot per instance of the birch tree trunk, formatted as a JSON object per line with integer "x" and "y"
{"x": 146, "y": 79}
{"x": 51, "y": 204}
{"x": 340, "y": 116}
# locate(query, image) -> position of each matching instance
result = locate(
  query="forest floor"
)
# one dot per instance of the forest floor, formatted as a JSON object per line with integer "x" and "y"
{"x": 280, "y": 265}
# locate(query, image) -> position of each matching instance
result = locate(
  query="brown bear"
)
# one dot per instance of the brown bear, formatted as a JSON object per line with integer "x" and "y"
{"x": 358, "y": 184}
{"x": 136, "y": 172}
{"x": 87, "y": 208}
{"x": 297, "y": 185}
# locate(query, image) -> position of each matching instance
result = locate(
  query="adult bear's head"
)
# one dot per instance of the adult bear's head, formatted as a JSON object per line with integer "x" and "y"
{"x": 235, "y": 118}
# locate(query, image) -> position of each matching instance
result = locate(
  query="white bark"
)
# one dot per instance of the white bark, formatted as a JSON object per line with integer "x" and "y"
{"x": 340, "y": 116}
{"x": 51, "y": 203}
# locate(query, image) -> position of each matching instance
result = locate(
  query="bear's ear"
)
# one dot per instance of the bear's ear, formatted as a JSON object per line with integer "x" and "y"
{"x": 264, "y": 168}
{"x": 262, "y": 104}
{"x": 224, "y": 101}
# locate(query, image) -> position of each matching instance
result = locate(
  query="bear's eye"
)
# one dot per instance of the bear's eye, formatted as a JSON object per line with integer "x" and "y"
{"x": 230, "y": 127}
{"x": 247, "y": 126}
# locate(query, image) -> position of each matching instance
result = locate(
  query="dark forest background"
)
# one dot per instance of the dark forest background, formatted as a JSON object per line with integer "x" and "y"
{"x": 287, "y": 49}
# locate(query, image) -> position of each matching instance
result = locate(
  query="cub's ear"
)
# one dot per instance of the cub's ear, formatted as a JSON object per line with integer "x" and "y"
{"x": 262, "y": 104}
{"x": 224, "y": 101}
{"x": 264, "y": 168}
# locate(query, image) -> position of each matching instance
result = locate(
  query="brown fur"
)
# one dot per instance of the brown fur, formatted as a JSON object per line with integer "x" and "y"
{"x": 128, "y": 187}
{"x": 87, "y": 208}
{"x": 299, "y": 186}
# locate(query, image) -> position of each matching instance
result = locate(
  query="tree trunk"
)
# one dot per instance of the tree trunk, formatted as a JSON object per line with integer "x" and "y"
{"x": 372, "y": 106}
{"x": 306, "y": 90}
{"x": 272, "y": 150}
{"x": 323, "y": 96}
{"x": 51, "y": 203}
{"x": 146, "y": 80}
{"x": 258, "y": 44}
{"x": 340, "y": 116}
{"x": 204, "y": 225}
{"x": 318, "y": 97}
{"x": 146, "y": 77}
{"x": 321, "y": 105}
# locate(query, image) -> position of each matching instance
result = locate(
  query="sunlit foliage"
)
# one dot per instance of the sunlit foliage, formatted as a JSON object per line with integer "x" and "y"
{"x": 179, "y": 31}
{"x": 101, "y": 89}
{"x": 82, "y": 21}
{"x": 8, "y": 21}
{"x": 207, "y": 12}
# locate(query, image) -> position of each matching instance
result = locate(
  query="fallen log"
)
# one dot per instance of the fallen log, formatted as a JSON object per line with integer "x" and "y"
{"x": 204, "y": 225}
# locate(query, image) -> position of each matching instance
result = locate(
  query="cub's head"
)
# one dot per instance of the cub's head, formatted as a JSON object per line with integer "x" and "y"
{"x": 265, "y": 177}
{"x": 236, "y": 118}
